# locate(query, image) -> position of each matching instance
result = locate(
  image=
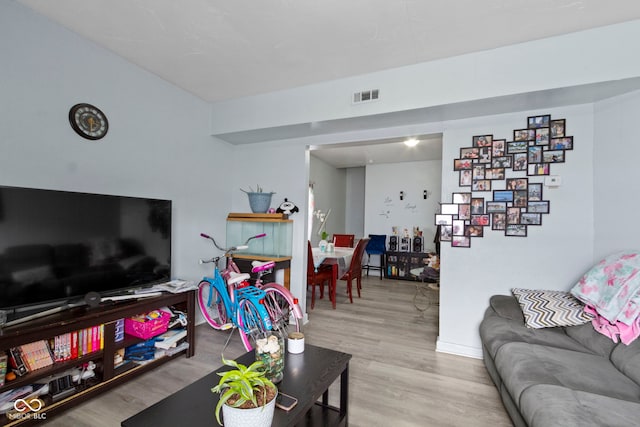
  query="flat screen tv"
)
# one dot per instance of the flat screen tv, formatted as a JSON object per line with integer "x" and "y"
{"x": 57, "y": 246}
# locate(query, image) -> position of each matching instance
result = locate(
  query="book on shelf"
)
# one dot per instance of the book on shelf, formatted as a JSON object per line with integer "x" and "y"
{"x": 170, "y": 338}
{"x": 73, "y": 345}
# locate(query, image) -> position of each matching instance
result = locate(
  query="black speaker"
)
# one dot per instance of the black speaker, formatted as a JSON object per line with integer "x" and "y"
{"x": 417, "y": 244}
{"x": 393, "y": 243}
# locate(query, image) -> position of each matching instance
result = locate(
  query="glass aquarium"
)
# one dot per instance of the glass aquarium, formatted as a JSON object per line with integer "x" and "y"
{"x": 278, "y": 229}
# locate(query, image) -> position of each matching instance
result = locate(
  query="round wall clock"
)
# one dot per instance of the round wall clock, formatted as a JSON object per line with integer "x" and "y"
{"x": 88, "y": 121}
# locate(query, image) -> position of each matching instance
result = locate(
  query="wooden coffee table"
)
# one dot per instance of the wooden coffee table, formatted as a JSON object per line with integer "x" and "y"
{"x": 307, "y": 377}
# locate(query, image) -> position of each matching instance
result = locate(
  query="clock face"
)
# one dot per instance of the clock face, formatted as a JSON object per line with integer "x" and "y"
{"x": 88, "y": 121}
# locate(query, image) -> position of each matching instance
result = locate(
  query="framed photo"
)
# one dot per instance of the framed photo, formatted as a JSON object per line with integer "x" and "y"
{"x": 513, "y": 215}
{"x": 484, "y": 154}
{"x": 520, "y": 162}
{"x": 517, "y": 147}
{"x": 557, "y": 128}
{"x": 464, "y": 211}
{"x": 480, "y": 220}
{"x": 553, "y": 156}
{"x": 465, "y": 178}
{"x": 474, "y": 231}
{"x": 446, "y": 232}
{"x": 520, "y": 198}
{"x": 460, "y": 198}
{"x": 444, "y": 219}
{"x": 457, "y": 227}
{"x": 542, "y": 136}
{"x": 501, "y": 162}
{"x": 534, "y": 154}
{"x": 498, "y": 147}
{"x": 477, "y": 206}
{"x": 534, "y": 192}
{"x": 536, "y": 169}
{"x": 503, "y": 195}
{"x": 461, "y": 242}
{"x": 494, "y": 173}
{"x": 481, "y": 185}
{"x": 479, "y": 171}
{"x": 496, "y": 207}
{"x": 469, "y": 153}
{"x": 538, "y": 207}
{"x": 516, "y": 230}
{"x": 482, "y": 140}
{"x": 498, "y": 221}
{"x": 565, "y": 143}
{"x": 534, "y": 122}
{"x": 517, "y": 183}
{"x": 462, "y": 164}
{"x": 524, "y": 135}
{"x": 449, "y": 209}
{"x": 528, "y": 218}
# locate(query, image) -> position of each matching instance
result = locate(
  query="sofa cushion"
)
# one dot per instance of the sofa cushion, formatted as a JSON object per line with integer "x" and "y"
{"x": 523, "y": 365}
{"x": 592, "y": 339}
{"x": 496, "y": 330}
{"x": 627, "y": 359}
{"x": 507, "y": 307}
{"x": 548, "y": 309}
{"x": 547, "y": 405}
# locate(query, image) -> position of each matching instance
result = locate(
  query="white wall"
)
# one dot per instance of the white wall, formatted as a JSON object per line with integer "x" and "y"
{"x": 552, "y": 256}
{"x": 354, "y": 215}
{"x": 573, "y": 59}
{"x": 383, "y": 207}
{"x": 329, "y": 191}
{"x": 616, "y": 174}
{"x": 157, "y": 146}
{"x": 283, "y": 168}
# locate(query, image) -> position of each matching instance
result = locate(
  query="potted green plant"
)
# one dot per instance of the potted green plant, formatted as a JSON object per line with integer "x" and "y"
{"x": 247, "y": 397}
{"x": 259, "y": 201}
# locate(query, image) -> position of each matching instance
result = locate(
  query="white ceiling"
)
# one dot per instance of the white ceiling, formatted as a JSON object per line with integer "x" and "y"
{"x": 224, "y": 49}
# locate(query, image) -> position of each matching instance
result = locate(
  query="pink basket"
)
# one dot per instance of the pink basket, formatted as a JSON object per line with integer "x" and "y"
{"x": 149, "y": 328}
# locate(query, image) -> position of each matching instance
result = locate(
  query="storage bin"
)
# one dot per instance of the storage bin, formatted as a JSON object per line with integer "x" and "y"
{"x": 141, "y": 327}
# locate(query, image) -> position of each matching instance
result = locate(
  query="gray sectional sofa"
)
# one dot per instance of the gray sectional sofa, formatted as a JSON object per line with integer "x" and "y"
{"x": 561, "y": 376}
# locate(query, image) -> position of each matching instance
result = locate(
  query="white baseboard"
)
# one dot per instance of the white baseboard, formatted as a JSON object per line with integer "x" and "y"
{"x": 458, "y": 350}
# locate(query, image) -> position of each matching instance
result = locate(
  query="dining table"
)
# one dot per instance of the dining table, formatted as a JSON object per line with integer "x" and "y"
{"x": 339, "y": 259}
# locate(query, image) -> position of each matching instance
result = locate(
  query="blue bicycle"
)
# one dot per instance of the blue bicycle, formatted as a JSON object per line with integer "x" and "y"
{"x": 228, "y": 300}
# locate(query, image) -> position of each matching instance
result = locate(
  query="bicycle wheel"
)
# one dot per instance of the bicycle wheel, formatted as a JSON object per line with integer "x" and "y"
{"x": 211, "y": 305}
{"x": 282, "y": 307}
{"x": 249, "y": 323}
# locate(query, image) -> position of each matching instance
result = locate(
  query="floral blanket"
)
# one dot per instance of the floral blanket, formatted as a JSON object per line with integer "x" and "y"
{"x": 612, "y": 287}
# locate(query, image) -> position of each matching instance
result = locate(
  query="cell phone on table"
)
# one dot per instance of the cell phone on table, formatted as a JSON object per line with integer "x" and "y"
{"x": 285, "y": 402}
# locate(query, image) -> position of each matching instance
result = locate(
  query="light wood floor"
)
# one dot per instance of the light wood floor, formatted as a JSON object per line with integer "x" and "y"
{"x": 396, "y": 377}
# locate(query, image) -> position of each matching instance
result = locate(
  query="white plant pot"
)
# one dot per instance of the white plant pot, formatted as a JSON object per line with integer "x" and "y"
{"x": 254, "y": 417}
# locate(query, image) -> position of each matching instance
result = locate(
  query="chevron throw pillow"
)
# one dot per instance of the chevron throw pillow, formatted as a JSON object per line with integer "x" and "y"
{"x": 548, "y": 309}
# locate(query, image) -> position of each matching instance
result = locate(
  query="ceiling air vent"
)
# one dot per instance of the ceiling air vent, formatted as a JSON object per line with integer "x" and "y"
{"x": 366, "y": 96}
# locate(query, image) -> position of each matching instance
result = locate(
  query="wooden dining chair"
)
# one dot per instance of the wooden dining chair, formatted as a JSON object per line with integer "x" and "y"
{"x": 343, "y": 240}
{"x": 355, "y": 269}
{"x": 318, "y": 277}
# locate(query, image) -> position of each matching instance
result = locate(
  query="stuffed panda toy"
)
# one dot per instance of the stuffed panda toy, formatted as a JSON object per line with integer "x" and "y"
{"x": 287, "y": 207}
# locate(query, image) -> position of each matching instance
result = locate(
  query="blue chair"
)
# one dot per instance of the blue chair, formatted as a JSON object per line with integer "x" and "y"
{"x": 377, "y": 246}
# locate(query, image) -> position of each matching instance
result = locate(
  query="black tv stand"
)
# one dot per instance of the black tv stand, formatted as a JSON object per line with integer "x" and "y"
{"x": 80, "y": 317}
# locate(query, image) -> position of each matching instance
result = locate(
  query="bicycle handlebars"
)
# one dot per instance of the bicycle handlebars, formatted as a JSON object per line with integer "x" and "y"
{"x": 233, "y": 248}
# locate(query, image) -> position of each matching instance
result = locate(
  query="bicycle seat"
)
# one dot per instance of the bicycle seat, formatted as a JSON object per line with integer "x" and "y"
{"x": 259, "y": 266}
{"x": 237, "y": 278}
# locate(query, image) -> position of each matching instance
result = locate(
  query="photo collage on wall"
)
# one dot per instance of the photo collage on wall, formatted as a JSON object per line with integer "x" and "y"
{"x": 501, "y": 195}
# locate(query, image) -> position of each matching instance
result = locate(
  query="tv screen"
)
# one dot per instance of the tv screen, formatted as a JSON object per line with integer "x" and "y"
{"x": 56, "y": 246}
